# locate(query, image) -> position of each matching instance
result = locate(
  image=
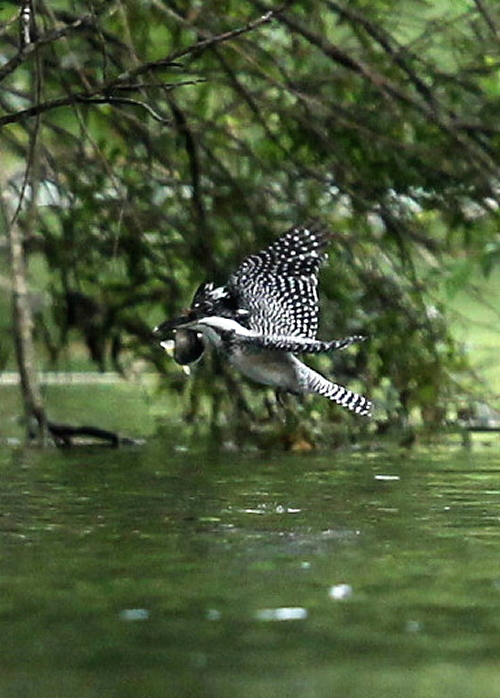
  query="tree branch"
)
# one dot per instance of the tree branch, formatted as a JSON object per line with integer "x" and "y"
{"x": 443, "y": 118}
{"x": 397, "y": 53}
{"x": 92, "y": 97}
{"x": 123, "y": 80}
{"x": 30, "y": 49}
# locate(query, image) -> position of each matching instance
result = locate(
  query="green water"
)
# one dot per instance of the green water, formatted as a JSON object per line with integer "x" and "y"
{"x": 155, "y": 572}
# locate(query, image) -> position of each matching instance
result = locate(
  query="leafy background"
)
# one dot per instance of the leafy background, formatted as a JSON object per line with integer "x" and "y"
{"x": 147, "y": 146}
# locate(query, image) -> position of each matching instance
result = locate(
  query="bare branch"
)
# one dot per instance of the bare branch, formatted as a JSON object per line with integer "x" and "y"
{"x": 91, "y": 97}
{"x": 437, "y": 114}
{"x": 397, "y": 52}
{"x": 28, "y": 50}
{"x": 191, "y": 146}
{"x": 25, "y": 21}
{"x": 198, "y": 47}
{"x": 111, "y": 100}
{"x": 123, "y": 80}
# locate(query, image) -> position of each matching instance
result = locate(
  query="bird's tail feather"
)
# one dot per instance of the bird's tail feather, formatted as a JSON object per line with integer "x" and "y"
{"x": 337, "y": 393}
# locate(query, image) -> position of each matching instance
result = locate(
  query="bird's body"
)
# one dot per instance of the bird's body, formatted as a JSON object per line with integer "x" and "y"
{"x": 264, "y": 315}
{"x": 268, "y": 366}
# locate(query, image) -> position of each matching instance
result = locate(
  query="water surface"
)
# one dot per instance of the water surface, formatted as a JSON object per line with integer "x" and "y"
{"x": 154, "y": 571}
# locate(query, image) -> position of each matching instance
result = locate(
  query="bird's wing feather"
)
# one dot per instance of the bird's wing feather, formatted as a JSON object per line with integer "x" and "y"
{"x": 279, "y": 285}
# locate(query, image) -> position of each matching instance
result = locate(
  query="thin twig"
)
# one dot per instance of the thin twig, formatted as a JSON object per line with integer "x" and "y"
{"x": 197, "y": 48}
{"x": 125, "y": 78}
{"x": 90, "y": 97}
{"x": 50, "y": 37}
{"x": 484, "y": 164}
{"x": 397, "y": 53}
{"x": 111, "y": 100}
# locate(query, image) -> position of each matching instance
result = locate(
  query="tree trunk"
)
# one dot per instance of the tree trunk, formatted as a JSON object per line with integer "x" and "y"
{"x": 22, "y": 315}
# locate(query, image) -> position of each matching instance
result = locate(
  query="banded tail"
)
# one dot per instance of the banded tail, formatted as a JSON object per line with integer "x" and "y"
{"x": 316, "y": 383}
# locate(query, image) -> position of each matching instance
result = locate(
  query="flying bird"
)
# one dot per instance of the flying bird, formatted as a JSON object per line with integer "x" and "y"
{"x": 263, "y": 316}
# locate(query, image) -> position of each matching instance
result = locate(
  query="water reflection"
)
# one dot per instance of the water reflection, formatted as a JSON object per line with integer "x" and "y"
{"x": 353, "y": 574}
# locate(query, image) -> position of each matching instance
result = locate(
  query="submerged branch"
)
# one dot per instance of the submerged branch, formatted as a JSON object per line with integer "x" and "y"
{"x": 64, "y": 435}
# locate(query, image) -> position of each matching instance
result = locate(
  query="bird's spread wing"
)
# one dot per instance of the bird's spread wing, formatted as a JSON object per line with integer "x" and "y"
{"x": 279, "y": 285}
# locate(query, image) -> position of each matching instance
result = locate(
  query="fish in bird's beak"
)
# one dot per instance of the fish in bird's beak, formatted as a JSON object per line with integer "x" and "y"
{"x": 188, "y": 345}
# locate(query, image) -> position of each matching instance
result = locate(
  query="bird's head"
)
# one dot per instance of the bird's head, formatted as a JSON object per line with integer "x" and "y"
{"x": 208, "y": 301}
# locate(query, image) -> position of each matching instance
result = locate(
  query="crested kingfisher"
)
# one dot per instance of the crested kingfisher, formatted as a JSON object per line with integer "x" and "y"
{"x": 263, "y": 316}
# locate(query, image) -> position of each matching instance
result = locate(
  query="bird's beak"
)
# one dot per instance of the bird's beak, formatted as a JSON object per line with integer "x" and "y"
{"x": 163, "y": 330}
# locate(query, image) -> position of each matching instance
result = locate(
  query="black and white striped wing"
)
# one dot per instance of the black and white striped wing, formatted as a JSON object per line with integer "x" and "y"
{"x": 279, "y": 285}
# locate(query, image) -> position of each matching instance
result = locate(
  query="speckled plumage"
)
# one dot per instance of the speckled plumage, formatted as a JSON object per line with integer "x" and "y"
{"x": 265, "y": 314}
{"x": 279, "y": 285}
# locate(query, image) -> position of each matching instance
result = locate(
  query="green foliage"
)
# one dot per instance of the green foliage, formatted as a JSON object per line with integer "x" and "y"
{"x": 170, "y": 157}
